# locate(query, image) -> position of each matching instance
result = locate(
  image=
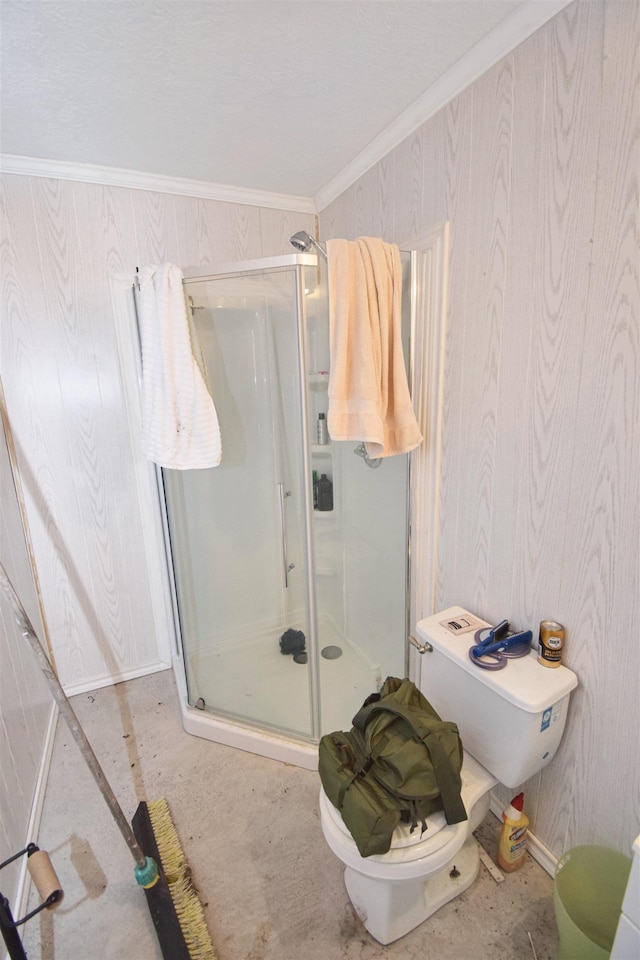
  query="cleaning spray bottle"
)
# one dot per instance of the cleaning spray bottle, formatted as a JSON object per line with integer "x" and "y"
{"x": 512, "y": 845}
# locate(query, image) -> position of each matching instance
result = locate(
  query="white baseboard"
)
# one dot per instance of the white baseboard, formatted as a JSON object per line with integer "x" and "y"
{"x": 109, "y": 680}
{"x": 24, "y": 879}
{"x": 541, "y": 854}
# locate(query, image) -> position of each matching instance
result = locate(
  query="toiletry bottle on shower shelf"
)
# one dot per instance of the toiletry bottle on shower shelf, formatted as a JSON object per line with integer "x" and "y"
{"x": 325, "y": 493}
{"x": 322, "y": 432}
{"x": 512, "y": 845}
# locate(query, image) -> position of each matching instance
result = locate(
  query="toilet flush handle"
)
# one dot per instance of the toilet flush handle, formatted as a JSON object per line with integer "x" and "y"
{"x": 421, "y": 647}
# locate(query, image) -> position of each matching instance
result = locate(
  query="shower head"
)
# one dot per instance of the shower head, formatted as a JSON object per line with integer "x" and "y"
{"x": 301, "y": 241}
{"x": 304, "y": 242}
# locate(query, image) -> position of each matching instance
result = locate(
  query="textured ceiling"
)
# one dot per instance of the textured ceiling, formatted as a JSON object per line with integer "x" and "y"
{"x": 275, "y": 95}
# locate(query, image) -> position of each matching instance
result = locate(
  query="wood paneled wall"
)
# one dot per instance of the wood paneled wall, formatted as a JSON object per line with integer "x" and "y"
{"x": 536, "y": 167}
{"x": 61, "y": 374}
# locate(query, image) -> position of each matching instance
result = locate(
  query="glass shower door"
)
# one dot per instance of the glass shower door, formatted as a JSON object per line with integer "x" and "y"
{"x": 360, "y": 539}
{"x": 238, "y": 531}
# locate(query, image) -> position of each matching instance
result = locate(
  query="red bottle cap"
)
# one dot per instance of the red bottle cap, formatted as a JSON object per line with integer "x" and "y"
{"x": 518, "y": 802}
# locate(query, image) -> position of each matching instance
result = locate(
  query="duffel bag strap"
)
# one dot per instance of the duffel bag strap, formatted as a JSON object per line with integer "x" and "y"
{"x": 452, "y": 804}
{"x": 446, "y": 777}
{"x": 355, "y": 762}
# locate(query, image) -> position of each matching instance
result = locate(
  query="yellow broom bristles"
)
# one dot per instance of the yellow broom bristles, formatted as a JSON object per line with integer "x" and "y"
{"x": 183, "y": 893}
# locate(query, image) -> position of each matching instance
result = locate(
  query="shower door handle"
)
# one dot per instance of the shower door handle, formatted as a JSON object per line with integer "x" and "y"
{"x": 286, "y": 566}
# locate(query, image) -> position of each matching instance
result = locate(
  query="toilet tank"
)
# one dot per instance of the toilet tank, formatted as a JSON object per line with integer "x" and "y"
{"x": 510, "y": 720}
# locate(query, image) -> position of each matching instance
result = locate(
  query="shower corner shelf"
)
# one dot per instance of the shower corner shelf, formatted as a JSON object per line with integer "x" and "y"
{"x": 318, "y": 377}
{"x": 322, "y": 449}
{"x": 324, "y": 514}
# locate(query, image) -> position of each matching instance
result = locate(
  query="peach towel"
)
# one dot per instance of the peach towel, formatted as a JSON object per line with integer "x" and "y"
{"x": 368, "y": 392}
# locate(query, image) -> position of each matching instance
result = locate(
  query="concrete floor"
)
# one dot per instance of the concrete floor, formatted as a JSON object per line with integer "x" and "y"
{"x": 270, "y": 886}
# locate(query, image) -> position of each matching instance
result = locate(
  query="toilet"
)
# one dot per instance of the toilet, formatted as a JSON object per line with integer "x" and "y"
{"x": 510, "y": 721}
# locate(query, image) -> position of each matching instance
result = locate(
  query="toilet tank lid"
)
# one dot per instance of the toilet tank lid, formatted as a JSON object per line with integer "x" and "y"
{"x": 523, "y": 682}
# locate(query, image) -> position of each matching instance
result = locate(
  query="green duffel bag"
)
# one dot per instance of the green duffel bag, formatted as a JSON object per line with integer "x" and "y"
{"x": 399, "y": 763}
{"x": 369, "y": 814}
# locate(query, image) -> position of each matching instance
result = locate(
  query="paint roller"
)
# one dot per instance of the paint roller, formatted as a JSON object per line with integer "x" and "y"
{"x": 46, "y": 882}
{"x": 44, "y": 878}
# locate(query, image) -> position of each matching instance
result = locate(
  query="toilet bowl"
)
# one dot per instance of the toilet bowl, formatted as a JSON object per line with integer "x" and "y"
{"x": 511, "y": 721}
{"x": 394, "y": 892}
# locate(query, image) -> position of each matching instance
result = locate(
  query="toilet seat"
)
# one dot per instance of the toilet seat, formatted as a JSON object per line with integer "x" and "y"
{"x": 411, "y": 855}
{"x": 402, "y": 836}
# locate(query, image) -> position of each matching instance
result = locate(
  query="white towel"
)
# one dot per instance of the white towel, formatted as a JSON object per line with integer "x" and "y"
{"x": 179, "y": 422}
{"x": 368, "y": 392}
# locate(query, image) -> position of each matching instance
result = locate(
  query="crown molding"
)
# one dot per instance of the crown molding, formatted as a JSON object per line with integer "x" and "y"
{"x": 513, "y": 30}
{"x": 135, "y": 180}
{"x": 524, "y": 21}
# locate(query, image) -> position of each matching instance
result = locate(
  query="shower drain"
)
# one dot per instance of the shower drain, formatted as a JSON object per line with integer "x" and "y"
{"x": 331, "y": 653}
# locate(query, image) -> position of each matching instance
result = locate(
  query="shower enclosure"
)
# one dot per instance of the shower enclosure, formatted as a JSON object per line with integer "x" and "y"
{"x": 261, "y": 560}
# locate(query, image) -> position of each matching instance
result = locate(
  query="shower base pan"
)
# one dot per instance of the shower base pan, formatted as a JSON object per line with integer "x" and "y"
{"x": 232, "y": 734}
{"x": 347, "y": 681}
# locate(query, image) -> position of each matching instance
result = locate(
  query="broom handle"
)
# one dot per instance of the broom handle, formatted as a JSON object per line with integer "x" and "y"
{"x": 71, "y": 719}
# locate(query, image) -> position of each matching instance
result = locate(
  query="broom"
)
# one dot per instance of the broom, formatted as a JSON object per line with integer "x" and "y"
{"x": 162, "y": 871}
